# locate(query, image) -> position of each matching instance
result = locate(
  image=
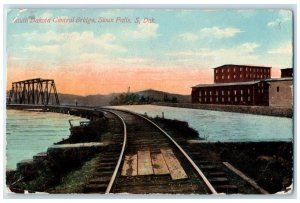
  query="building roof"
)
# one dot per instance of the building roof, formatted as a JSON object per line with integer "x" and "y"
{"x": 228, "y": 84}
{"x": 286, "y": 68}
{"x": 242, "y": 66}
{"x": 278, "y": 79}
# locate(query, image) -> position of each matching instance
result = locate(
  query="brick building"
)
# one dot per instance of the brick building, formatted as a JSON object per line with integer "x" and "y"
{"x": 240, "y": 73}
{"x": 242, "y": 93}
{"x": 280, "y": 92}
{"x": 244, "y": 85}
{"x": 286, "y": 72}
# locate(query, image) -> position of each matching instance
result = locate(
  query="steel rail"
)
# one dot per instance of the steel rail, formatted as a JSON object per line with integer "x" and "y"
{"x": 113, "y": 178}
{"x": 200, "y": 173}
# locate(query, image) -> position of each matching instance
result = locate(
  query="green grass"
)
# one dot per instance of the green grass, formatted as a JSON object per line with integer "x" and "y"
{"x": 74, "y": 181}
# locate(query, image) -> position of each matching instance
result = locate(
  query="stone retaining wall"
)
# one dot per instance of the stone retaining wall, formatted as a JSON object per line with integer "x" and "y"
{"x": 259, "y": 110}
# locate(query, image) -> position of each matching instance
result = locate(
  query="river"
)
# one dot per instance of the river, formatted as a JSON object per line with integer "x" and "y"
{"x": 31, "y": 132}
{"x": 28, "y": 132}
{"x": 224, "y": 126}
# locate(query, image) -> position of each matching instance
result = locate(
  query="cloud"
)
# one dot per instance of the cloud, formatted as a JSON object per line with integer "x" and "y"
{"x": 283, "y": 17}
{"x": 143, "y": 31}
{"x": 189, "y": 36}
{"x": 70, "y": 41}
{"x": 248, "y": 47}
{"x": 219, "y": 32}
{"x": 241, "y": 54}
{"x": 209, "y": 32}
{"x": 285, "y": 48}
{"x": 42, "y": 49}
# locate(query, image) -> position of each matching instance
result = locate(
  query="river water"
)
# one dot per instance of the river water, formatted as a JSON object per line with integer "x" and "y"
{"x": 224, "y": 126}
{"x": 29, "y": 132}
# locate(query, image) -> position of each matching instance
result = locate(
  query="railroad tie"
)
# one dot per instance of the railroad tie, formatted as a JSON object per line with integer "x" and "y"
{"x": 144, "y": 163}
{"x": 176, "y": 170}
{"x": 130, "y": 165}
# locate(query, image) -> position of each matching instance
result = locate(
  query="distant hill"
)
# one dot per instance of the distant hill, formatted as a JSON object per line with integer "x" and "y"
{"x": 90, "y": 100}
{"x": 160, "y": 95}
{"x": 104, "y": 100}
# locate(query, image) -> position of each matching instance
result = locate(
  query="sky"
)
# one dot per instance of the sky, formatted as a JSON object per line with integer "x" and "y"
{"x": 102, "y": 51}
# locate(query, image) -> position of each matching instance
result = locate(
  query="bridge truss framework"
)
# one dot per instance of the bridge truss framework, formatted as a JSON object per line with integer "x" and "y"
{"x": 33, "y": 91}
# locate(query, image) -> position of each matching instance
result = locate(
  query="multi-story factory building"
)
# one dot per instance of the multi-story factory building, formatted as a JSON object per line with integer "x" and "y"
{"x": 244, "y": 85}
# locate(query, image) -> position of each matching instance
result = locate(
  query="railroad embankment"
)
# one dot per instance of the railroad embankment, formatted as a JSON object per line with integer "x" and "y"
{"x": 70, "y": 165}
{"x": 258, "y": 110}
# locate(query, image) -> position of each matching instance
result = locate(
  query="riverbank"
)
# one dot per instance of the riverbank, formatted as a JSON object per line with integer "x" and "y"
{"x": 269, "y": 164}
{"x": 258, "y": 110}
{"x": 70, "y": 165}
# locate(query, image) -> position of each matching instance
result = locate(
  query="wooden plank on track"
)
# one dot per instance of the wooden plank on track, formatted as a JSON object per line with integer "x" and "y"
{"x": 144, "y": 163}
{"x": 130, "y": 165}
{"x": 176, "y": 170}
{"x": 159, "y": 165}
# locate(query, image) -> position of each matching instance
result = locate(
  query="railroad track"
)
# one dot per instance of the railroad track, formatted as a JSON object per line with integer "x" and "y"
{"x": 149, "y": 161}
{"x": 143, "y": 159}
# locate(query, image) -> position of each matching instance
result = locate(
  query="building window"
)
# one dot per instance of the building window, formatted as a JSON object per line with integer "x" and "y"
{"x": 210, "y": 93}
{"x": 262, "y": 84}
{"x": 216, "y": 77}
{"x": 228, "y": 76}
{"x": 205, "y": 99}
{"x": 240, "y": 69}
{"x": 241, "y": 76}
{"x": 222, "y": 99}
{"x": 262, "y": 91}
{"x": 233, "y": 69}
{"x": 205, "y": 93}
{"x": 234, "y": 76}
{"x": 247, "y": 75}
{"x": 222, "y": 92}
{"x": 234, "y": 92}
{"x": 228, "y": 99}
{"x": 228, "y": 92}
{"x": 247, "y": 69}
{"x": 217, "y": 92}
{"x": 222, "y": 76}
{"x": 217, "y": 99}
{"x": 261, "y": 76}
{"x": 228, "y": 70}
{"x": 277, "y": 88}
{"x": 241, "y": 91}
{"x": 235, "y": 99}
{"x": 200, "y": 99}
{"x": 250, "y": 75}
{"x": 242, "y": 98}
{"x": 210, "y": 99}
{"x": 249, "y": 98}
{"x": 258, "y": 91}
{"x": 199, "y": 93}
{"x": 250, "y": 69}
{"x": 217, "y": 71}
{"x": 248, "y": 90}
{"x": 222, "y": 70}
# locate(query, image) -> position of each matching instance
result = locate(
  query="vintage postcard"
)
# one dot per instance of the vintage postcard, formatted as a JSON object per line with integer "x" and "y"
{"x": 149, "y": 101}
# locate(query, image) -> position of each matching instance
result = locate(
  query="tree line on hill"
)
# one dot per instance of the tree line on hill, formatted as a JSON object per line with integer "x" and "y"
{"x": 133, "y": 98}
